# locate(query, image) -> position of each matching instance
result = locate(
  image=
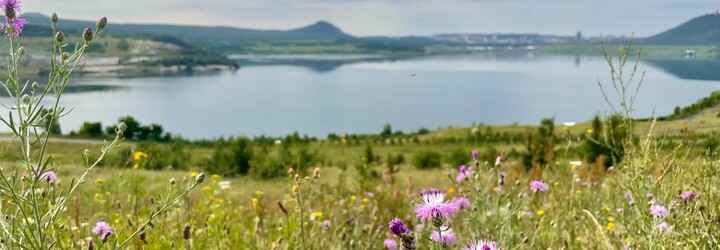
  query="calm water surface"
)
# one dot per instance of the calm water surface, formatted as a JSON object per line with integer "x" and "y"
{"x": 360, "y": 97}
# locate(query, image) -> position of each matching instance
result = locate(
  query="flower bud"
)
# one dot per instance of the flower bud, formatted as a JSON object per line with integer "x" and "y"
{"x": 26, "y": 98}
{"x": 21, "y": 51}
{"x": 186, "y": 231}
{"x": 35, "y": 85}
{"x": 65, "y": 56}
{"x": 200, "y": 178}
{"x": 90, "y": 244}
{"x": 173, "y": 181}
{"x": 88, "y": 35}
{"x": 9, "y": 11}
{"x": 54, "y": 18}
{"x": 59, "y": 36}
{"x": 122, "y": 127}
{"x": 102, "y": 23}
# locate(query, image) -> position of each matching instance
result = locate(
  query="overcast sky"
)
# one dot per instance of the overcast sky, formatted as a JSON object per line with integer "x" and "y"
{"x": 399, "y": 17}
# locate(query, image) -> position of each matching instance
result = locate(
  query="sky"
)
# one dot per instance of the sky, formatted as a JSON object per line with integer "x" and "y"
{"x": 399, "y": 17}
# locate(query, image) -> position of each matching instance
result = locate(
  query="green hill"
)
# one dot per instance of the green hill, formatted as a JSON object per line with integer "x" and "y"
{"x": 702, "y": 30}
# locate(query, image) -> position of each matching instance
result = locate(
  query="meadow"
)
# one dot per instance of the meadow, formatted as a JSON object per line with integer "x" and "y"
{"x": 613, "y": 182}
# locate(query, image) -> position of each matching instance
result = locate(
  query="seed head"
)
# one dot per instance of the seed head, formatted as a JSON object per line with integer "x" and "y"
{"x": 54, "y": 18}
{"x": 59, "y": 36}
{"x": 186, "y": 231}
{"x": 35, "y": 85}
{"x": 102, "y": 23}
{"x": 26, "y": 98}
{"x": 200, "y": 178}
{"x": 122, "y": 127}
{"x": 88, "y": 35}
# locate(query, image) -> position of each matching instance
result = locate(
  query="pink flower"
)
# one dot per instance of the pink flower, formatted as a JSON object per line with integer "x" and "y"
{"x": 326, "y": 223}
{"x": 434, "y": 205}
{"x": 687, "y": 195}
{"x": 464, "y": 173}
{"x": 49, "y": 176}
{"x": 659, "y": 211}
{"x": 102, "y": 229}
{"x": 17, "y": 26}
{"x": 538, "y": 186}
{"x": 461, "y": 203}
{"x": 664, "y": 227}
{"x": 448, "y": 237}
{"x": 14, "y": 5}
{"x": 482, "y": 245}
{"x": 390, "y": 244}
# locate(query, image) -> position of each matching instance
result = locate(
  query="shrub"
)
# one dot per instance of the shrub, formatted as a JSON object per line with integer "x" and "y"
{"x": 427, "y": 159}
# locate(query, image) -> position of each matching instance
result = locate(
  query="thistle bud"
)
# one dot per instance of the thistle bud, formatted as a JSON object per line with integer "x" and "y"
{"x": 91, "y": 244}
{"x": 88, "y": 35}
{"x": 54, "y": 18}
{"x": 122, "y": 127}
{"x": 65, "y": 56}
{"x": 59, "y": 36}
{"x": 186, "y": 231}
{"x": 35, "y": 85}
{"x": 200, "y": 178}
{"x": 26, "y": 98}
{"x": 21, "y": 51}
{"x": 102, "y": 23}
{"x": 173, "y": 181}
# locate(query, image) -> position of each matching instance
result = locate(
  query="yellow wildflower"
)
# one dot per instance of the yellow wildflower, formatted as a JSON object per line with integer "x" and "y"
{"x": 353, "y": 198}
{"x": 589, "y": 131}
{"x": 365, "y": 200}
{"x": 291, "y": 171}
{"x": 193, "y": 174}
{"x": 317, "y": 214}
{"x": 295, "y": 188}
{"x": 609, "y": 226}
{"x": 451, "y": 190}
{"x": 578, "y": 192}
{"x": 611, "y": 219}
{"x": 607, "y": 209}
{"x": 259, "y": 193}
{"x": 215, "y": 177}
{"x": 255, "y": 202}
{"x": 99, "y": 181}
{"x": 206, "y": 188}
{"x": 316, "y": 171}
{"x": 136, "y": 166}
{"x": 540, "y": 212}
{"x": 573, "y": 167}
{"x": 139, "y": 155}
{"x": 557, "y": 183}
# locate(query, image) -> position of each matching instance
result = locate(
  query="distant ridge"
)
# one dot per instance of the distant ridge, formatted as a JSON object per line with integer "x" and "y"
{"x": 702, "y": 30}
{"x": 321, "y": 29}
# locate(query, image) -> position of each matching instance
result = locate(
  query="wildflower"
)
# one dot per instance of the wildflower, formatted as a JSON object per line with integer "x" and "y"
{"x": 659, "y": 211}
{"x": 215, "y": 176}
{"x": 557, "y": 183}
{"x": 193, "y": 174}
{"x": 464, "y": 173}
{"x": 365, "y": 200}
{"x": 49, "y": 176}
{"x": 589, "y": 131}
{"x": 316, "y": 214}
{"x": 445, "y": 236}
{"x": 54, "y": 18}
{"x": 341, "y": 202}
{"x": 687, "y": 195}
{"x": 461, "y": 203}
{"x": 540, "y": 212}
{"x": 295, "y": 188}
{"x": 482, "y": 245}
{"x": 649, "y": 196}
{"x": 353, "y": 198}
{"x": 205, "y": 189}
{"x": 609, "y": 226}
{"x": 102, "y": 229}
{"x": 11, "y": 7}
{"x": 90, "y": 244}
{"x": 538, "y": 186}
{"x": 419, "y": 227}
{"x": 390, "y": 244}
{"x": 326, "y": 223}
{"x": 434, "y": 205}
{"x": 663, "y": 227}
{"x": 316, "y": 171}
{"x": 102, "y": 23}
{"x": 499, "y": 160}
{"x": 139, "y": 155}
{"x": 398, "y": 227}
{"x": 606, "y": 208}
{"x": 186, "y": 231}
{"x": 88, "y": 35}
{"x": 628, "y": 197}
{"x": 291, "y": 171}
{"x": 451, "y": 190}
{"x": 611, "y": 219}
{"x": 368, "y": 194}
{"x": 619, "y": 210}
{"x": 136, "y": 166}
{"x": 200, "y": 178}
{"x": 99, "y": 181}
{"x": 475, "y": 154}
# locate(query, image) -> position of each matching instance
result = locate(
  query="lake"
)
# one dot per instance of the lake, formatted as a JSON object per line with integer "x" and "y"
{"x": 359, "y": 96}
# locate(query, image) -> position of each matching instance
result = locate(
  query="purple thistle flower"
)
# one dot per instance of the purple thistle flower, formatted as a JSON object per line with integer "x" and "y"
{"x": 482, "y": 245}
{"x": 448, "y": 237}
{"x": 475, "y": 154}
{"x": 419, "y": 227}
{"x": 13, "y": 5}
{"x": 90, "y": 244}
{"x": 341, "y": 202}
{"x": 379, "y": 228}
{"x": 628, "y": 197}
{"x": 649, "y": 196}
{"x": 49, "y": 176}
{"x": 499, "y": 160}
{"x": 461, "y": 203}
{"x": 390, "y": 244}
{"x": 659, "y": 211}
{"x": 434, "y": 205}
{"x": 102, "y": 229}
{"x": 502, "y": 175}
{"x": 17, "y": 26}
{"x": 664, "y": 227}
{"x": 538, "y": 186}
{"x": 326, "y": 224}
{"x": 687, "y": 195}
{"x": 398, "y": 227}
